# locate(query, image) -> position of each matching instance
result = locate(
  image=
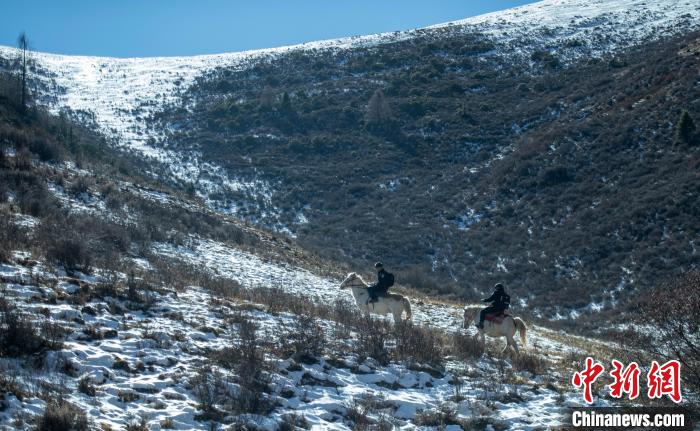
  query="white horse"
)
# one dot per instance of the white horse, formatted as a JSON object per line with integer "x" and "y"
{"x": 392, "y": 303}
{"x": 505, "y": 328}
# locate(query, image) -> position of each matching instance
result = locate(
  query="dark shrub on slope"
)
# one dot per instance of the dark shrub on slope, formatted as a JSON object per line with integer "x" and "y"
{"x": 673, "y": 311}
{"x": 19, "y": 335}
{"x": 60, "y": 415}
{"x": 71, "y": 253}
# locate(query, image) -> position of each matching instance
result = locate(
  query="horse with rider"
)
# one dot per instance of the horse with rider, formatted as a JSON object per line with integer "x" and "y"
{"x": 492, "y": 320}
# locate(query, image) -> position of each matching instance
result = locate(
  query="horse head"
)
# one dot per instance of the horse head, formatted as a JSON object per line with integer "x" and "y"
{"x": 470, "y": 314}
{"x": 353, "y": 280}
{"x": 348, "y": 279}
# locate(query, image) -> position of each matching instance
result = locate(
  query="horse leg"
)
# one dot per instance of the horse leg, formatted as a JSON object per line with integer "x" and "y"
{"x": 506, "y": 346}
{"x": 513, "y": 343}
{"x": 397, "y": 314}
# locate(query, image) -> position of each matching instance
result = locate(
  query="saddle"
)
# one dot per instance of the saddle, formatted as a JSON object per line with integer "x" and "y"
{"x": 386, "y": 295}
{"x": 496, "y": 317}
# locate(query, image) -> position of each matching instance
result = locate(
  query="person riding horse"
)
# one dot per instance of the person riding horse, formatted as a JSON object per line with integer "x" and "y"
{"x": 500, "y": 301}
{"x": 384, "y": 281}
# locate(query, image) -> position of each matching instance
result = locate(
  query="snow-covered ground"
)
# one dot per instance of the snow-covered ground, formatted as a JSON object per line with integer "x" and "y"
{"x": 604, "y": 25}
{"x": 143, "y": 362}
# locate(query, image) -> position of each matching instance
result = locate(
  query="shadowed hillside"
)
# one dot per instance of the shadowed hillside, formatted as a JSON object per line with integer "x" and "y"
{"x": 539, "y": 146}
{"x": 566, "y": 181}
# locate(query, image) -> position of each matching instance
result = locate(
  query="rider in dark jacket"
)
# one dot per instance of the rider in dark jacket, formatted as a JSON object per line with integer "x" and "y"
{"x": 384, "y": 281}
{"x": 500, "y": 301}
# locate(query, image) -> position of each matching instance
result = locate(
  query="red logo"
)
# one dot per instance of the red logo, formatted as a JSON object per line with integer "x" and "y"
{"x": 665, "y": 380}
{"x": 661, "y": 380}
{"x": 626, "y": 381}
{"x": 586, "y": 378}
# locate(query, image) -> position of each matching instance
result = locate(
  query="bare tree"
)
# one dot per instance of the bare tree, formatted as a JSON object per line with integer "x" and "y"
{"x": 23, "y": 46}
{"x": 673, "y": 311}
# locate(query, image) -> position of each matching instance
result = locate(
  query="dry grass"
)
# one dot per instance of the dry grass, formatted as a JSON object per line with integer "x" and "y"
{"x": 85, "y": 386}
{"x": 19, "y": 335}
{"x": 419, "y": 344}
{"x": 526, "y": 361}
{"x": 466, "y": 347}
{"x": 62, "y": 416}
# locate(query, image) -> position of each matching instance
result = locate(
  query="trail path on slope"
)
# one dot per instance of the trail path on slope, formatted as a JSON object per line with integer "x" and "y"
{"x": 251, "y": 272}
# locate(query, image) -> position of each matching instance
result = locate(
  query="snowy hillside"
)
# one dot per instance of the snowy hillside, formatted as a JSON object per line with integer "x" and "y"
{"x": 194, "y": 328}
{"x": 123, "y": 94}
{"x": 120, "y": 368}
{"x": 609, "y": 24}
{"x": 130, "y": 350}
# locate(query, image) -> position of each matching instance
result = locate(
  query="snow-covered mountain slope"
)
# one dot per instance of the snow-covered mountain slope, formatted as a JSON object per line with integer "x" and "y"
{"x": 119, "y": 369}
{"x": 607, "y": 24}
{"x": 123, "y": 94}
{"x": 153, "y": 354}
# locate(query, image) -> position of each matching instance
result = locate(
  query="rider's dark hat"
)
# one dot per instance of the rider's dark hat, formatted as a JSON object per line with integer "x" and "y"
{"x": 378, "y": 265}
{"x": 498, "y": 286}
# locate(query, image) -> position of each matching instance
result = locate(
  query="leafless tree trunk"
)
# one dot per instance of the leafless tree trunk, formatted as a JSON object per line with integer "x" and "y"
{"x": 23, "y": 45}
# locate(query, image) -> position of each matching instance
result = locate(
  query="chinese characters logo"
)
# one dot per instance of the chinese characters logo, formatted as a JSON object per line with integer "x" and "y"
{"x": 661, "y": 380}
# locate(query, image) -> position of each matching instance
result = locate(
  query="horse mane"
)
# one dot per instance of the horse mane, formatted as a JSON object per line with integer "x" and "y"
{"x": 354, "y": 274}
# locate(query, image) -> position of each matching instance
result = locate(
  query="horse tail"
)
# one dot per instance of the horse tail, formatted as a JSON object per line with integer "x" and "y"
{"x": 407, "y": 308}
{"x": 520, "y": 326}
